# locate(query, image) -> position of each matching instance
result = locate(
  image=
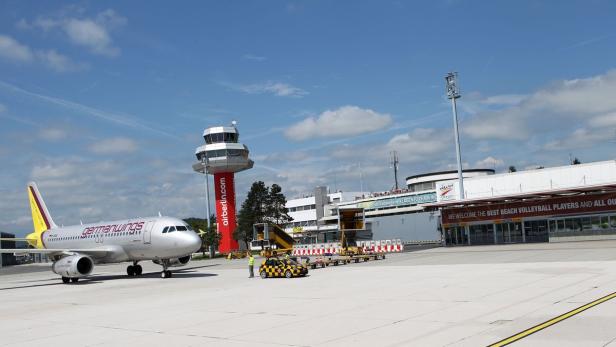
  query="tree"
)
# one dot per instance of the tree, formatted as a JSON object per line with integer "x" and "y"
{"x": 512, "y": 169}
{"x": 253, "y": 211}
{"x": 277, "y": 211}
{"x": 263, "y": 204}
{"x": 209, "y": 236}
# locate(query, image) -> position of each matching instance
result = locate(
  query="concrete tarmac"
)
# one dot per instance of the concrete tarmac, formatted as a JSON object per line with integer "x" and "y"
{"x": 465, "y": 296}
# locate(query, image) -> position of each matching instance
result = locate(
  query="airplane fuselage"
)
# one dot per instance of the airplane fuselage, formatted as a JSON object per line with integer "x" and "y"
{"x": 127, "y": 240}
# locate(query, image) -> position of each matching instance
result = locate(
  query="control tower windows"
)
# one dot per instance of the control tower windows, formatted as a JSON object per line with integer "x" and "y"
{"x": 226, "y": 153}
{"x": 220, "y": 138}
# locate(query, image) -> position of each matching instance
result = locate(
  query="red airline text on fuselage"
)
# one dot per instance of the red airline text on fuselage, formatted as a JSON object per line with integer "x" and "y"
{"x": 113, "y": 228}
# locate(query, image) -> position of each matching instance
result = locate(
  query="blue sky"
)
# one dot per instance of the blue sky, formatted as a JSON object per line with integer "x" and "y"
{"x": 103, "y": 103}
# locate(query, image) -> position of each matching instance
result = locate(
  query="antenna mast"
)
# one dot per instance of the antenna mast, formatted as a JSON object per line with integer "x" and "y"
{"x": 394, "y": 164}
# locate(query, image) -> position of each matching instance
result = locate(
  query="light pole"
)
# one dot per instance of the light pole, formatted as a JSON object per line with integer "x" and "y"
{"x": 453, "y": 93}
{"x": 207, "y": 193}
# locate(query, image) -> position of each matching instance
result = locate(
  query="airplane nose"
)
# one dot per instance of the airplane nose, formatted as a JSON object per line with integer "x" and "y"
{"x": 193, "y": 242}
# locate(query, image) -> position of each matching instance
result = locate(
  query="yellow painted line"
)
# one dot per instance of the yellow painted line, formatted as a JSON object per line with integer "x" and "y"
{"x": 552, "y": 321}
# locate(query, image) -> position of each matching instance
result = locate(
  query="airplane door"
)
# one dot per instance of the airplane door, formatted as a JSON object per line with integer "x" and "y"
{"x": 147, "y": 232}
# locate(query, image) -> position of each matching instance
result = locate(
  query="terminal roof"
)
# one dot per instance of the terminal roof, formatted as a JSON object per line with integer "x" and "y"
{"x": 600, "y": 188}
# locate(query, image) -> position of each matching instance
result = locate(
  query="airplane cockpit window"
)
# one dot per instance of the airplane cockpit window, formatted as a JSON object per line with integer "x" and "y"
{"x": 171, "y": 229}
{"x": 181, "y": 228}
{"x": 165, "y": 230}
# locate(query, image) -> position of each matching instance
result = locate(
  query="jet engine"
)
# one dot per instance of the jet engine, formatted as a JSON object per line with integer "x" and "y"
{"x": 175, "y": 262}
{"x": 73, "y": 266}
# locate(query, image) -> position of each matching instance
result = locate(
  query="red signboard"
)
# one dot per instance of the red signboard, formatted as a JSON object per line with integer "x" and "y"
{"x": 224, "y": 188}
{"x": 577, "y": 204}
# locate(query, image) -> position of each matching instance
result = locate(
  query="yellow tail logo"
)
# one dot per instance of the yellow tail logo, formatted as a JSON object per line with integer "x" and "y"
{"x": 40, "y": 217}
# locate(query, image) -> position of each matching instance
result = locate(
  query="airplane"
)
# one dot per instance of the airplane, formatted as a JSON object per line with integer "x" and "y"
{"x": 167, "y": 241}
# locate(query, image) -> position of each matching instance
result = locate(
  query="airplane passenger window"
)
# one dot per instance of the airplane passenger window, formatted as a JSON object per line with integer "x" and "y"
{"x": 181, "y": 228}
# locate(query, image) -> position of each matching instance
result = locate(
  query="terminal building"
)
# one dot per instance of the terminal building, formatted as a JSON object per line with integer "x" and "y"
{"x": 566, "y": 203}
{"x": 395, "y": 214}
{"x": 306, "y": 212}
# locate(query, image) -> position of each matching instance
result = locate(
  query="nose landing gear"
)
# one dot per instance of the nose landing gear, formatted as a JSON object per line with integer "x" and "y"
{"x": 165, "y": 273}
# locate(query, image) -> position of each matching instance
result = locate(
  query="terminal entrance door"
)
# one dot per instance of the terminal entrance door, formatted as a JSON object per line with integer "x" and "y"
{"x": 455, "y": 236}
{"x": 509, "y": 233}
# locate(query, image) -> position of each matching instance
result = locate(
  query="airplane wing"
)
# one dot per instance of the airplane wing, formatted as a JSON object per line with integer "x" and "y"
{"x": 95, "y": 252}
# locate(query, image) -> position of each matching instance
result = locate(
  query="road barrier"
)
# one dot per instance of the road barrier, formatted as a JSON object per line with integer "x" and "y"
{"x": 374, "y": 246}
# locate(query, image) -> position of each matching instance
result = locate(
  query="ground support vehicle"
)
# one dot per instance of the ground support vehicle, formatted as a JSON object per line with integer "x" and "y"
{"x": 275, "y": 267}
{"x": 367, "y": 257}
{"x": 320, "y": 262}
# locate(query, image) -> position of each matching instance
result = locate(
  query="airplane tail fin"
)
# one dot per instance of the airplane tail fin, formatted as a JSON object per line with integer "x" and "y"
{"x": 40, "y": 215}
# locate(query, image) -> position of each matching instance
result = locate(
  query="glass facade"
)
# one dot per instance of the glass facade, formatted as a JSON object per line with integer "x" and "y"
{"x": 226, "y": 153}
{"x": 528, "y": 231}
{"x": 583, "y": 226}
{"x": 303, "y": 208}
{"x": 221, "y": 137}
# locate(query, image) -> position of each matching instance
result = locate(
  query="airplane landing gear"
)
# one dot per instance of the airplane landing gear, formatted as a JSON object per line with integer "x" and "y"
{"x": 134, "y": 270}
{"x": 65, "y": 279}
{"x": 165, "y": 273}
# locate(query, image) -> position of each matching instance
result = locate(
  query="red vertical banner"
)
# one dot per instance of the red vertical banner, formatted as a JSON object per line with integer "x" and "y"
{"x": 224, "y": 188}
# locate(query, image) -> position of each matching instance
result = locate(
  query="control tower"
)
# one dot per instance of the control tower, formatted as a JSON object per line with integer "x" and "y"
{"x": 223, "y": 156}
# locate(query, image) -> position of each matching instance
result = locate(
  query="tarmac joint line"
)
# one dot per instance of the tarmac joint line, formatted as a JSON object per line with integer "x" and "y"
{"x": 552, "y": 321}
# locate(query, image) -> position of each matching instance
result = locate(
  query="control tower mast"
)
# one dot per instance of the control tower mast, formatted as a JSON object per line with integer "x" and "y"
{"x": 223, "y": 156}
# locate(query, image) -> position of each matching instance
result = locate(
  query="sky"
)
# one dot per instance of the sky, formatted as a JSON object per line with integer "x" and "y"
{"x": 103, "y": 103}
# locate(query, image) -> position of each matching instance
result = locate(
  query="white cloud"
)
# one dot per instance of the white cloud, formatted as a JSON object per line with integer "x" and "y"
{"x": 502, "y": 125}
{"x": 13, "y": 50}
{"x": 551, "y": 109}
{"x": 344, "y": 121}
{"x": 275, "y": 88}
{"x": 114, "y": 146}
{"x": 580, "y": 138}
{"x": 604, "y": 120}
{"x": 93, "y": 33}
{"x": 86, "y": 32}
{"x": 58, "y": 62}
{"x": 490, "y": 163}
{"x": 51, "y": 170}
{"x": 421, "y": 144}
{"x": 53, "y": 134}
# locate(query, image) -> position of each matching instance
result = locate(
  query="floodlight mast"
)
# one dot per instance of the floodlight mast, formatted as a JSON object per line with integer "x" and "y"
{"x": 453, "y": 93}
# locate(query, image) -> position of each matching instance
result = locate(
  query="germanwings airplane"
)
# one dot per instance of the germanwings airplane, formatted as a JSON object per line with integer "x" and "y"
{"x": 75, "y": 249}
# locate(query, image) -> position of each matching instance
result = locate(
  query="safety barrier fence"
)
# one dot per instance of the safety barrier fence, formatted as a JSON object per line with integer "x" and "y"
{"x": 376, "y": 246}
